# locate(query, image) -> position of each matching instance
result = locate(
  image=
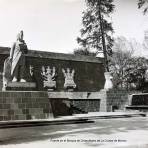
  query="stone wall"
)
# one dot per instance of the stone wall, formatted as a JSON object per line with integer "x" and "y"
{"x": 89, "y": 71}
{"x": 27, "y": 105}
{"x": 102, "y": 101}
{"x": 117, "y": 100}
{"x": 88, "y": 76}
{"x": 24, "y": 105}
{"x": 79, "y": 102}
{"x": 40, "y": 105}
{"x": 61, "y": 107}
{"x": 65, "y": 106}
{"x": 140, "y": 99}
{"x": 85, "y": 105}
{"x": 88, "y": 96}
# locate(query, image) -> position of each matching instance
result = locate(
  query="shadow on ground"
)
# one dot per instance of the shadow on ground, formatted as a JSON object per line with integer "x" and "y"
{"x": 99, "y": 127}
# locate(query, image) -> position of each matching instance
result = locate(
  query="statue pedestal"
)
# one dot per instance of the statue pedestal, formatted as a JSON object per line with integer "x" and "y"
{"x": 20, "y": 86}
{"x": 50, "y": 85}
{"x": 108, "y": 83}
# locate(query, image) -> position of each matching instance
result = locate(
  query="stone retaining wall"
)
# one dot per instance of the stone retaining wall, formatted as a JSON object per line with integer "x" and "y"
{"x": 79, "y": 102}
{"x": 24, "y": 105}
{"x": 16, "y": 105}
{"x": 85, "y": 106}
{"x": 117, "y": 99}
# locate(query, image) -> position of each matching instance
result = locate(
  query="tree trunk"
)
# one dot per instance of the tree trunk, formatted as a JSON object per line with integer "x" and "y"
{"x": 103, "y": 40}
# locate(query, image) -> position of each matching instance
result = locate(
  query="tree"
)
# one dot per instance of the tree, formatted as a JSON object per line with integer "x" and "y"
{"x": 136, "y": 72}
{"x": 97, "y": 30}
{"x": 85, "y": 51}
{"x": 128, "y": 70}
{"x": 119, "y": 62}
{"x": 143, "y": 4}
{"x": 145, "y": 42}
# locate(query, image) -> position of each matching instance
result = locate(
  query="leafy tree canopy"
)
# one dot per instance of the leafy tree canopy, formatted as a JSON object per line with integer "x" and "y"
{"x": 84, "y": 51}
{"x": 144, "y": 5}
{"x": 128, "y": 71}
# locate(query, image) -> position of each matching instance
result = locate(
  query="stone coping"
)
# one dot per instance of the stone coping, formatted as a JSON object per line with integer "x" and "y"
{"x": 54, "y": 91}
{"x": 8, "y": 93}
{"x": 139, "y": 94}
{"x": 21, "y": 84}
{"x": 28, "y": 91}
{"x": 137, "y": 106}
{"x": 59, "y": 56}
{"x": 22, "y": 94}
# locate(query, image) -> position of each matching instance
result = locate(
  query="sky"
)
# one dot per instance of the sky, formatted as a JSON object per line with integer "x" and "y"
{"x": 53, "y": 25}
{"x": 128, "y": 20}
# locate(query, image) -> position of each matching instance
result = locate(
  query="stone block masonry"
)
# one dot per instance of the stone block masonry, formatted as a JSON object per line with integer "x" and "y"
{"x": 65, "y": 106}
{"x": 78, "y": 102}
{"x": 85, "y": 105}
{"x": 117, "y": 99}
{"x": 88, "y": 76}
{"x": 24, "y": 105}
{"x": 61, "y": 107}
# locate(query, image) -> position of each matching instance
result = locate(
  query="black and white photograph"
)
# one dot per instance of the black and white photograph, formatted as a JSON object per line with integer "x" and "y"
{"x": 73, "y": 73}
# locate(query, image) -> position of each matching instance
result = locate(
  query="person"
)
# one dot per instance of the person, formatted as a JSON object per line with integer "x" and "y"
{"x": 17, "y": 59}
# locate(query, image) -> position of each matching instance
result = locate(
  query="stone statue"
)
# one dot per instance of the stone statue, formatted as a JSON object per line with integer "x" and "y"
{"x": 49, "y": 77}
{"x": 6, "y": 73}
{"x": 69, "y": 79}
{"x": 31, "y": 70}
{"x": 14, "y": 65}
{"x": 17, "y": 59}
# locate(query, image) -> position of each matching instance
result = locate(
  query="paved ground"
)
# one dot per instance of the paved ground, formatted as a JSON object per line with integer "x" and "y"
{"x": 103, "y": 133}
